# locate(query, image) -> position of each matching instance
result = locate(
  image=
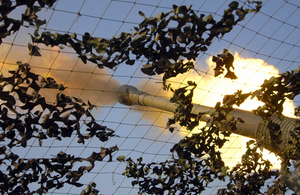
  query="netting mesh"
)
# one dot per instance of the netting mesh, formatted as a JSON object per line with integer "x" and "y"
{"x": 264, "y": 45}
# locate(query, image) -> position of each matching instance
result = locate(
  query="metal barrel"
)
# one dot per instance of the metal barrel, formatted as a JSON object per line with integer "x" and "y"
{"x": 253, "y": 126}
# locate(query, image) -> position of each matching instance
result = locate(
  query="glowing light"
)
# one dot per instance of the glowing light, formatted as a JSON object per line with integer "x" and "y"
{"x": 251, "y": 74}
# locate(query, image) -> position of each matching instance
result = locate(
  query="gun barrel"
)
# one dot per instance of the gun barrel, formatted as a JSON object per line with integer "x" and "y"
{"x": 253, "y": 126}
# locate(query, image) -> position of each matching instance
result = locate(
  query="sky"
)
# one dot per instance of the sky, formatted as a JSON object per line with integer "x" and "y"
{"x": 264, "y": 45}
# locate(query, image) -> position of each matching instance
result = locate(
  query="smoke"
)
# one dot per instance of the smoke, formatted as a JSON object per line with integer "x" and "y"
{"x": 84, "y": 81}
{"x": 87, "y": 82}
